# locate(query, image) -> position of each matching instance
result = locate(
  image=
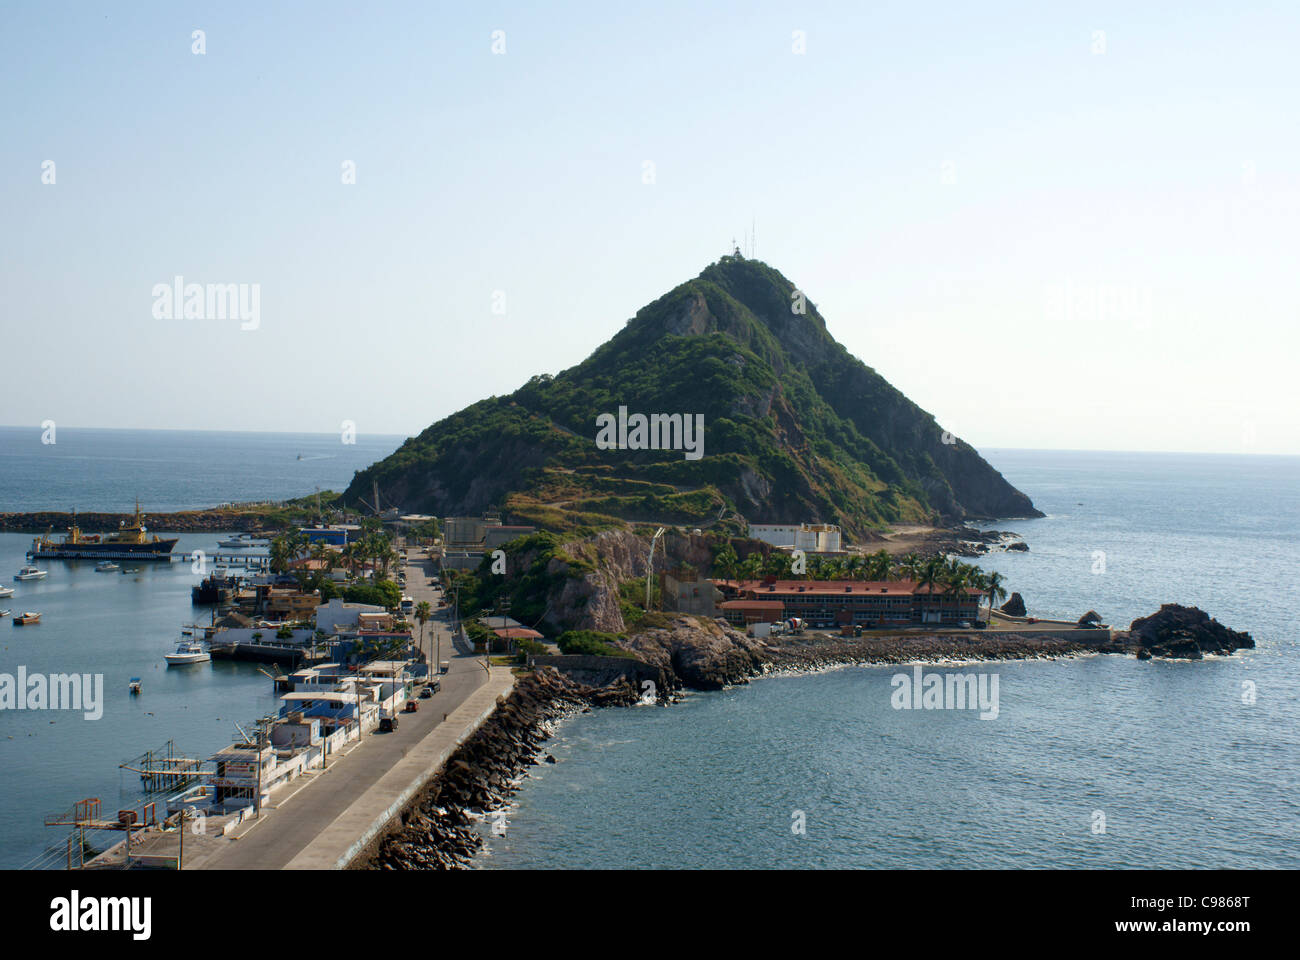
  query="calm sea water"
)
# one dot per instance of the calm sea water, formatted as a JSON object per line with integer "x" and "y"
{"x": 169, "y": 470}
{"x": 120, "y": 626}
{"x": 1184, "y": 772}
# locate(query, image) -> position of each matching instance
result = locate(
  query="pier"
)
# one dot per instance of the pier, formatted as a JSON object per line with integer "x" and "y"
{"x": 164, "y": 768}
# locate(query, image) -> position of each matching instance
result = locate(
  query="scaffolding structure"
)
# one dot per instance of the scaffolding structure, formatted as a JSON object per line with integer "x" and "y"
{"x": 85, "y": 817}
{"x": 164, "y": 769}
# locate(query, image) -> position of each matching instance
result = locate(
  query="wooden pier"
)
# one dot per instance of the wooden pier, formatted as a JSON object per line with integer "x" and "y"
{"x": 164, "y": 768}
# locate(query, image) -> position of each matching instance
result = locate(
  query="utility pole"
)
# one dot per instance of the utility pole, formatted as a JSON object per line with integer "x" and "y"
{"x": 650, "y": 566}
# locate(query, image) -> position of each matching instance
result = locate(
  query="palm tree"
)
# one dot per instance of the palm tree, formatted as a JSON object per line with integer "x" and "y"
{"x": 727, "y": 563}
{"x": 910, "y": 566}
{"x": 281, "y": 554}
{"x": 423, "y": 613}
{"x": 879, "y": 564}
{"x": 930, "y": 573}
{"x": 993, "y": 583}
{"x": 752, "y": 566}
{"x": 957, "y": 577}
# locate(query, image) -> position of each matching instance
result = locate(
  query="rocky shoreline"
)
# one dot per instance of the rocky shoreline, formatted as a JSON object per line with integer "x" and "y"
{"x": 442, "y": 829}
{"x": 215, "y": 520}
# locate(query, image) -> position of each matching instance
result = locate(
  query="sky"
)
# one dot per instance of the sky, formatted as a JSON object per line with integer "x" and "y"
{"x": 1062, "y": 226}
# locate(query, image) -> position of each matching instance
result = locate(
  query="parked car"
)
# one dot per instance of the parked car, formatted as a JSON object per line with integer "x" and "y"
{"x": 411, "y": 706}
{"x": 387, "y": 724}
{"x": 426, "y": 693}
{"x": 433, "y": 685}
{"x": 965, "y": 624}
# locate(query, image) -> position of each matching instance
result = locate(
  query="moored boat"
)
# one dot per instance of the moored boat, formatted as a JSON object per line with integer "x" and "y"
{"x": 240, "y": 540}
{"x": 188, "y": 651}
{"x": 31, "y": 573}
{"x": 26, "y": 618}
{"x": 6, "y": 592}
{"x": 134, "y": 685}
{"x": 131, "y": 541}
{"x": 106, "y": 566}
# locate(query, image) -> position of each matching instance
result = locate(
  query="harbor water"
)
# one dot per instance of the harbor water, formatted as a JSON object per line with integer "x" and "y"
{"x": 1100, "y": 761}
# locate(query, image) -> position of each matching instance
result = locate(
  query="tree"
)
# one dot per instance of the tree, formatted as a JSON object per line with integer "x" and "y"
{"x": 726, "y": 562}
{"x": 423, "y": 613}
{"x": 910, "y": 566}
{"x": 996, "y": 591}
{"x": 879, "y": 565}
{"x": 280, "y": 555}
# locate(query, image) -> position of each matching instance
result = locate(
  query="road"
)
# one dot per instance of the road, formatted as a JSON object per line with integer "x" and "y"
{"x": 311, "y": 803}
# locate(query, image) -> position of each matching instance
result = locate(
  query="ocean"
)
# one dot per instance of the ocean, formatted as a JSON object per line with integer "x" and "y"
{"x": 1096, "y": 761}
{"x": 169, "y": 470}
{"x": 1091, "y": 762}
{"x": 121, "y": 625}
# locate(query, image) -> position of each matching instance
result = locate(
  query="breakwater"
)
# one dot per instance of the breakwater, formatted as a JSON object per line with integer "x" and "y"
{"x": 439, "y": 828}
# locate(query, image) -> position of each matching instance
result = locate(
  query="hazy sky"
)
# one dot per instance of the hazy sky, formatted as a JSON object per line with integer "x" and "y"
{"x": 1051, "y": 225}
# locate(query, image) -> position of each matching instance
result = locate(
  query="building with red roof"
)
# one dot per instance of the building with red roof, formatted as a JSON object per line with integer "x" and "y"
{"x": 868, "y": 603}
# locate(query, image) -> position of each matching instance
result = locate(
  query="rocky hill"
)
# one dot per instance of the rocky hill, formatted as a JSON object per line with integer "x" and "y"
{"x": 795, "y": 428}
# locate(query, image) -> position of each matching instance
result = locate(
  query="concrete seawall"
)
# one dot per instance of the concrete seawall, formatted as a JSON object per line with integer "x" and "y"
{"x": 357, "y": 831}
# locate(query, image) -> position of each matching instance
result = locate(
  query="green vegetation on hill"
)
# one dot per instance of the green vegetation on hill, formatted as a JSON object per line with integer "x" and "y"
{"x": 795, "y": 429}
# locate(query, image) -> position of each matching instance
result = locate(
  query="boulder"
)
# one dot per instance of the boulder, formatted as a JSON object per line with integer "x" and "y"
{"x": 1188, "y": 633}
{"x": 1015, "y": 606}
{"x": 1089, "y": 618}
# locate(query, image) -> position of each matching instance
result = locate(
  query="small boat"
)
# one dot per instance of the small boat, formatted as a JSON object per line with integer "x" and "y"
{"x": 5, "y": 613}
{"x": 126, "y": 570}
{"x": 30, "y": 573}
{"x": 240, "y": 540}
{"x": 27, "y": 618}
{"x": 188, "y": 651}
{"x": 106, "y": 566}
{"x": 6, "y": 592}
{"x": 134, "y": 685}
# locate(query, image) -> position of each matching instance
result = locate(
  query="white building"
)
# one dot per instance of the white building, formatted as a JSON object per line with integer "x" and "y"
{"x": 340, "y": 616}
{"x": 809, "y": 537}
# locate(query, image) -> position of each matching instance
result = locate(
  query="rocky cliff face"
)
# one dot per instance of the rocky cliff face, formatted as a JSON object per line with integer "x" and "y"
{"x": 699, "y": 654}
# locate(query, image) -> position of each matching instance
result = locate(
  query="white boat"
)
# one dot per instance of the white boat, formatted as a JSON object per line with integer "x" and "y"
{"x": 188, "y": 651}
{"x": 106, "y": 566}
{"x": 5, "y": 612}
{"x": 240, "y": 540}
{"x": 30, "y": 573}
{"x": 6, "y": 592}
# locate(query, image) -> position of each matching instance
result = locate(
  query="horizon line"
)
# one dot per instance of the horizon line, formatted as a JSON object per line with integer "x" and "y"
{"x": 408, "y": 436}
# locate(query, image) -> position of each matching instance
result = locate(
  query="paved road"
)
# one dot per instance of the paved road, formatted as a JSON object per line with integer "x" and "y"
{"x": 305, "y": 807}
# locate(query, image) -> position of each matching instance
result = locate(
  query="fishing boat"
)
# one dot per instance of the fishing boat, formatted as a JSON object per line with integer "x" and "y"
{"x": 134, "y": 686}
{"x": 27, "y": 618}
{"x": 31, "y": 573}
{"x": 131, "y": 541}
{"x": 106, "y": 566}
{"x": 187, "y": 651}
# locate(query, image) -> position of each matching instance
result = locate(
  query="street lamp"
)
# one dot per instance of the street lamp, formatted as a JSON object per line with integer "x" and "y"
{"x": 650, "y": 566}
